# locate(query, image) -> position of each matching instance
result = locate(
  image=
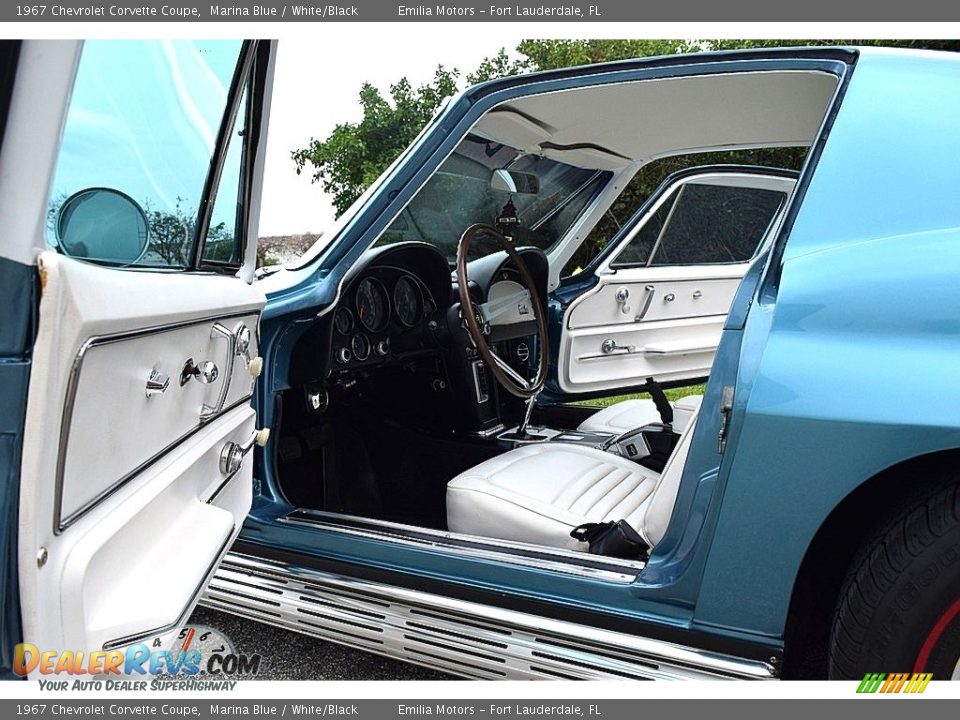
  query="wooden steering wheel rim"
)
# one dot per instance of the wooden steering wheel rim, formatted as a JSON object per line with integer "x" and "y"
{"x": 473, "y": 327}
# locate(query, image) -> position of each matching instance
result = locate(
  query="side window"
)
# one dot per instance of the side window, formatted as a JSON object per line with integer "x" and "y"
{"x": 222, "y": 244}
{"x": 704, "y": 224}
{"x": 649, "y": 179}
{"x": 140, "y": 134}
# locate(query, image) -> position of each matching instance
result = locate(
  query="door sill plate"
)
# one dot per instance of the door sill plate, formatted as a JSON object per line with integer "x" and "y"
{"x": 459, "y": 637}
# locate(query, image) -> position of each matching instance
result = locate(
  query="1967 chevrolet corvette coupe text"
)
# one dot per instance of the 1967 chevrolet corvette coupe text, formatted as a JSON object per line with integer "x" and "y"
{"x": 377, "y": 444}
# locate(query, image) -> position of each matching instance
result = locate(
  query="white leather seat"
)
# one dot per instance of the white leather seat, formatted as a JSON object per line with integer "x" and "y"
{"x": 632, "y": 414}
{"x": 539, "y": 493}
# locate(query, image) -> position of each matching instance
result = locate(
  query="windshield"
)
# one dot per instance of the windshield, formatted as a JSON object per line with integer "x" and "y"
{"x": 459, "y": 194}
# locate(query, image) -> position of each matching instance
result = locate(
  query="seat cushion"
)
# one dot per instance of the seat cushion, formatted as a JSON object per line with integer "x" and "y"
{"x": 539, "y": 493}
{"x": 632, "y": 414}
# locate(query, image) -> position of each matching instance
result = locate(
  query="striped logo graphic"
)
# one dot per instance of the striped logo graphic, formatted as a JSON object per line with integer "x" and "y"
{"x": 894, "y": 682}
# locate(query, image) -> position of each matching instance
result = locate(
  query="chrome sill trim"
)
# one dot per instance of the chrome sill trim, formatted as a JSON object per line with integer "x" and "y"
{"x": 568, "y": 562}
{"x": 459, "y": 637}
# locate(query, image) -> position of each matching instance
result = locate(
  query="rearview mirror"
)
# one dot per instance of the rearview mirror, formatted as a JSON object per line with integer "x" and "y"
{"x": 515, "y": 182}
{"x": 103, "y": 225}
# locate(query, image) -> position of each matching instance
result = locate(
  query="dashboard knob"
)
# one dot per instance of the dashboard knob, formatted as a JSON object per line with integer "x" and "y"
{"x": 343, "y": 355}
{"x": 382, "y": 348}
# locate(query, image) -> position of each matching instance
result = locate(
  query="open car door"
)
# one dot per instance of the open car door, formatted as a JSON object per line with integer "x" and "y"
{"x": 137, "y": 168}
{"x": 665, "y": 285}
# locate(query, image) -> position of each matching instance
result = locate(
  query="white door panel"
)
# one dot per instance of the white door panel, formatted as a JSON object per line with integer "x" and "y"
{"x": 144, "y": 426}
{"x": 163, "y": 531}
{"x": 664, "y": 291}
{"x": 665, "y": 350}
{"x": 139, "y": 470}
{"x": 670, "y": 330}
{"x": 652, "y": 300}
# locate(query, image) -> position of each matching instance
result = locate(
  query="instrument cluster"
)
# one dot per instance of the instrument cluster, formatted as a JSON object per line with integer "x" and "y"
{"x": 375, "y": 314}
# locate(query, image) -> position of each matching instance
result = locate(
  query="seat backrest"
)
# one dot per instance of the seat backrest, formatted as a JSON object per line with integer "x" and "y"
{"x": 654, "y": 523}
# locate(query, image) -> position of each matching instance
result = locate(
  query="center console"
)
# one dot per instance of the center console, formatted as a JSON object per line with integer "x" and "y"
{"x": 650, "y": 445}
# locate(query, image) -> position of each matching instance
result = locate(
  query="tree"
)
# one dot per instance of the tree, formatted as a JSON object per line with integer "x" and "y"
{"x": 171, "y": 233}
{"x": 355, "y": 154}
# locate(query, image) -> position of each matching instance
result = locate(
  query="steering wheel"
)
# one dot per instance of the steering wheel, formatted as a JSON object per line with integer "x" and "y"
{"x": 510, "y": 379}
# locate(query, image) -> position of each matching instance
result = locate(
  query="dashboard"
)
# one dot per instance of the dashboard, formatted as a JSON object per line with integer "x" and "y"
{"x": 383, "y": 314}
{"x": 396, "y": 334}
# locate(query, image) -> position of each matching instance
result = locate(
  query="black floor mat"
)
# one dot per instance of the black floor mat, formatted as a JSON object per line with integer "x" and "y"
{"x": 362, "y": 463}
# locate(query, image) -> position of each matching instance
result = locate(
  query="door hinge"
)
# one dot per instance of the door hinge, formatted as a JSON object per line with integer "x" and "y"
{"x": 726, "y": 410}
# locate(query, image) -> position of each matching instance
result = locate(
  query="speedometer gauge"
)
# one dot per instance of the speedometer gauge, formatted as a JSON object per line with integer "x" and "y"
{"x": 373, "y": 305}
{"x": 407, "y": 300}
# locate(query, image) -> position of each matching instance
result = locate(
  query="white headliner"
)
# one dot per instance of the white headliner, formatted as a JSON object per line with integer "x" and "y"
{"x": 613, "y": 126}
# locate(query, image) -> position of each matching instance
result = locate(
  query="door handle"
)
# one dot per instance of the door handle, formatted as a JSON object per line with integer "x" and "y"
{"x": 209, "y": 411}
{"x": 648, "y": 292}
{"x": 232, "y": 454}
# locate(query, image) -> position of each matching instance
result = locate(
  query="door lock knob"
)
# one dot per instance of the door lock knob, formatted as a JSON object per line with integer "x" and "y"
{"x": 205, "y": 372}
{"x": 621, "y": 296}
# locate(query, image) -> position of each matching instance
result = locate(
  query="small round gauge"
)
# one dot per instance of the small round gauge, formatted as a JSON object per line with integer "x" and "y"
{"x": 343, "y": 320}
{"x": 360, "y": 345}
{"x": 408, "y": 301}
{"x": 373, "y": 305}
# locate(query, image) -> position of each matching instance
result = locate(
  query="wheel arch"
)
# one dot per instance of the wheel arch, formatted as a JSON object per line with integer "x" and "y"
{"x": 835, "y": 546}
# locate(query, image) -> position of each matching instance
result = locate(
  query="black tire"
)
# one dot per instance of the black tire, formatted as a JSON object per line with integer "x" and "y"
{"x": 899, "y": 607}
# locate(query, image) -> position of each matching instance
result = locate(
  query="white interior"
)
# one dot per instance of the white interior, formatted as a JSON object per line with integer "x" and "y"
{"x": 621, "y": 127}
{"x": 134, "y": 561}
{"x": 91, "y": 589}
{"x": 615, "y": 126}
{"x": 539, "y": 493}
{"x": 681, "y": 310}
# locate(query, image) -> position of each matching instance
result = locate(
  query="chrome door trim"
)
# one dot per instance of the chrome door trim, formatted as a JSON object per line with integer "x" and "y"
{"x": 60, "y": 523}
{"x": 456, "y": 636}
{"x": 541, "y": 557}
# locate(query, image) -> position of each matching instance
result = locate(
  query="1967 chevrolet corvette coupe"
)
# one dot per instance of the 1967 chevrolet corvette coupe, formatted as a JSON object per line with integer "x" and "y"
{"x": 377, "y": 445}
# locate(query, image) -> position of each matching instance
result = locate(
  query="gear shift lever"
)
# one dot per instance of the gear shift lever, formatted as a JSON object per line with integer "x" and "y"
{"x": 521, "y": 433}
{"x": 522, "y": 430}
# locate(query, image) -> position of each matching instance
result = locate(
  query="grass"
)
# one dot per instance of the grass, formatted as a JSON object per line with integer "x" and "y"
{"x": 673, "y": 395}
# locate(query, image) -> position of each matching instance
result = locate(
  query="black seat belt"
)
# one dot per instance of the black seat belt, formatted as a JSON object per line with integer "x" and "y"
{"x": 664, "y": 408}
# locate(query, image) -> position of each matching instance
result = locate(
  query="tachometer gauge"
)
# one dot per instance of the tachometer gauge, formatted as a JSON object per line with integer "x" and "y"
{"x": 407, "y": 300}
{"x": 373, "y": 305}
{"x": 360, "y": 345}
{"x": 343, "y": 320}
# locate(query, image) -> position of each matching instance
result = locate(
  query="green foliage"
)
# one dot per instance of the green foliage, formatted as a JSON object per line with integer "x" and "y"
{"x": 650, "y": 177}
{"x": 672, "y": 394}
{"x": 171, "y": 237}
{"x": 355, "y": 154}
{"x": 171, "y": 234}
{"x": 552, "y": 54}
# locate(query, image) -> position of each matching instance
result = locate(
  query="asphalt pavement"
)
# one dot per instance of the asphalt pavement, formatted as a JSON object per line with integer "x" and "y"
{"x": 288, "y": 655}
